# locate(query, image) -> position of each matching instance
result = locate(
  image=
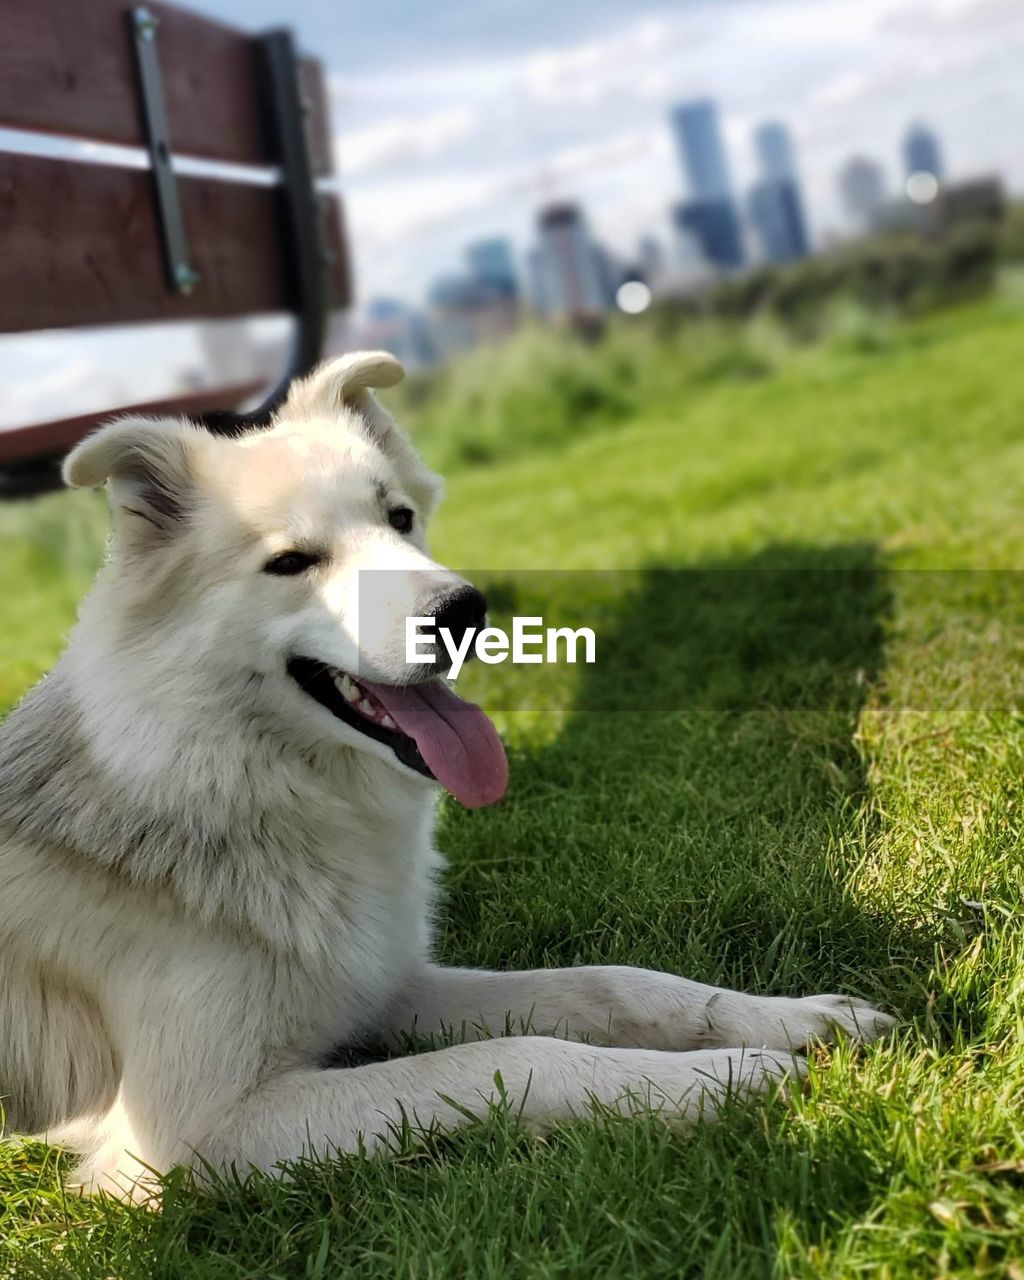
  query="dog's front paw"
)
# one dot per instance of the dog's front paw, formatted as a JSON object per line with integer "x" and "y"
{"x": 781, "y": 1023}
{"x": 685, "y": 1086}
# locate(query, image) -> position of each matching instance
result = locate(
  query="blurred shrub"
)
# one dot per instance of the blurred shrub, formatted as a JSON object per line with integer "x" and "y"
{"x": 851, "y": 328}
{"x": 893, "y": 273}
{"x": 1011, "y": 239}
{"x": 496, "y": 402}
{"x": 547, "y": 385}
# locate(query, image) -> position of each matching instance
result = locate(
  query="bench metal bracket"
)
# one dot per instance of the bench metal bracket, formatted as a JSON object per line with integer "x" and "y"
{"x": 181, "y": 275}
{"x": 301, "y": 210}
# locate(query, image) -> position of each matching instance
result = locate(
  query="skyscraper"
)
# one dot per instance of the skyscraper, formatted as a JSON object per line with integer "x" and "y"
{"x": 774, "y": 149}
{"x": 776, "y": 205}
{"x": 921, "y": 152}
{"x": 651, "y": 259}
{"x": 710, "y": 212}
{"x": 569, "y": 265}
{"x": 701, "y": 153}
{"x": 777, "y": 215}
{"x": 715, "y": 226}
{"x": 862, "y": 188}
{"x": 610, "y": 274}
{"x": 539, "y": 285}
{"x": 481, "y": 304}
{"x": 492, "y": 264}
{"x": 393, "y": 325}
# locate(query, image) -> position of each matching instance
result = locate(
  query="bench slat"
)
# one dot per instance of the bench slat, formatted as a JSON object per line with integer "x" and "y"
{"x": 68, "y": 67}
{"x": 54, "y": 439}
{"x": 81, "y": 246}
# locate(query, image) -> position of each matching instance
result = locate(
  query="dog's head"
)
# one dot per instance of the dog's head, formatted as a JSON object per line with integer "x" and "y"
{"x": 274, "y": 572}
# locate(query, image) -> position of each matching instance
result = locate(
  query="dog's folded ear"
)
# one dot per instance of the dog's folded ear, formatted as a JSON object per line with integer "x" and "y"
{"x": 347, "y": 380}
{"x": 348, "y": 383}
{"x": 149, "y": 463}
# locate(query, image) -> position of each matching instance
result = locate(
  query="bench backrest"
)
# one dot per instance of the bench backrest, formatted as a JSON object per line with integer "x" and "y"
{"x": 86, "y": 243}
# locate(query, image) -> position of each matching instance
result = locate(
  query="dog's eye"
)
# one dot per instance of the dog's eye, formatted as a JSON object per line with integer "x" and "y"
{"x": 401, "y": 518}
{"x": 290, "y": 562}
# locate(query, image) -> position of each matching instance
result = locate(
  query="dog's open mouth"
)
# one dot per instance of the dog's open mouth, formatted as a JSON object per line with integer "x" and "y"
{"x": 428, "y": 727}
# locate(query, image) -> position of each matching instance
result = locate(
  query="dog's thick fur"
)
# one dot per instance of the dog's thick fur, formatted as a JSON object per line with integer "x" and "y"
{"x": 208, "y": 883}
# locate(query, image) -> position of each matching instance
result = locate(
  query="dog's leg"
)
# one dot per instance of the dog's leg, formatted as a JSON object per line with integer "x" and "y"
{"x": 614, "y": 1005}
{"x": 544, "y": 1081}
{"x": 197, "y": 1086}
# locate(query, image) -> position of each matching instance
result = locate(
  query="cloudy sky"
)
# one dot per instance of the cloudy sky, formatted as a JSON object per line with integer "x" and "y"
{"x": 457, "y": 118}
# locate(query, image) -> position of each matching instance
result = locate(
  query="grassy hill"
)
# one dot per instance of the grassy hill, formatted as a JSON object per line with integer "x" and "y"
{"x": 796, "y": 766}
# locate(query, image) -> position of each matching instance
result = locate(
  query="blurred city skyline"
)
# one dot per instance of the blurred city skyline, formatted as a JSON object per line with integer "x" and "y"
{"x": 458, "y": 121}
{"x": 569, "y": 276}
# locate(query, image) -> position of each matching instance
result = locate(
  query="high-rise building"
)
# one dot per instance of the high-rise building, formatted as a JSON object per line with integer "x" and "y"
{"x": 573, "y": 280}
{"x": 390, "y": 324}
{"x": 715, "y": 226}
{"x": 921, "y": 152}
{"x": 538, "y": 282}
{"x": 862, "y": 188}
{"x": 695, "y": 125}
{"x": 651, "y": 260}
{"x": 492, "y": 263}
{"x": 709, "y": 213}
{"x": 466, "y": 310}
{"x": 610, "y": 274}
{"x": 776, "y": 206}
{"x": 454, "y": 302}
{"x": 778, "y": 220}
{"x": 688, "y": 270}
{"x": 774, "y": 148}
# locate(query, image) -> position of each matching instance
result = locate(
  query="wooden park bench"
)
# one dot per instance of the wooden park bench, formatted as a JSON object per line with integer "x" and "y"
{"x": 86, "y": 244}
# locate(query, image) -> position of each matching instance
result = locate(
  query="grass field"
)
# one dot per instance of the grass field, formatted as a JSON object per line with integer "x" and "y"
{"x": 798, "y": 767}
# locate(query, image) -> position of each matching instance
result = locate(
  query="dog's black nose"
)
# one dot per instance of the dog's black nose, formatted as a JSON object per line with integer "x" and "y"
{"x": 460, "y": 611}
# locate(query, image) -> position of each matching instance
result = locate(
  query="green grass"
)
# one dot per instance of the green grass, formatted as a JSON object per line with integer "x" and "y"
{"x": 796, "y": 766}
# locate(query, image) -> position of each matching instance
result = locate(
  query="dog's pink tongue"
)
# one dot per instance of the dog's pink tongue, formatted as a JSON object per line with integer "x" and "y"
{"x": 455, "y": 738}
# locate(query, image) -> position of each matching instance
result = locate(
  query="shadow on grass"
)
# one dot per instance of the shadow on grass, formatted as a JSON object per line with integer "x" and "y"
{"x": 712, "y": 829}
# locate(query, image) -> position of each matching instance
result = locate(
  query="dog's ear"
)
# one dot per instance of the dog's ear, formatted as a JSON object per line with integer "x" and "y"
{"x": 348, "y": 382}
{"x": 344, "y": 381}
{"x": 150, "y": 465}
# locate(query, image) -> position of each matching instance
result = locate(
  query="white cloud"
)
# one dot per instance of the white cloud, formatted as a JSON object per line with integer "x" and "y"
{"x": 844, "y": 88}
{"x": 592, "y": 72}
{"x": 403, "y": 139}
{"x": 911, "y": 15}
{"x": 389, "y": 212}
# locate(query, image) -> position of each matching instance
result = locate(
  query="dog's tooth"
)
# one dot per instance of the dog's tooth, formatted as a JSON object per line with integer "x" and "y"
{"x": 367, "y": 707}
{"x": 348, "y": 689}
{"x": 388, "y": 723}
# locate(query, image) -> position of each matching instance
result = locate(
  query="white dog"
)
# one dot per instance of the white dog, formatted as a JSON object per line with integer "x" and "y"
{"x": 216, "y": 863}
